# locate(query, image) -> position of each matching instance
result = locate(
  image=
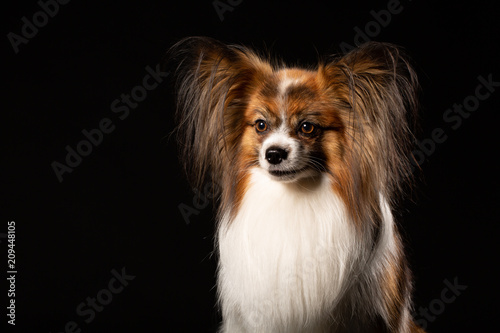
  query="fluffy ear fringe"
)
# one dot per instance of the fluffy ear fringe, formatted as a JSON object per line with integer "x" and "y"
{"x": 377, "y": 90}
{"x": 212, "y": 79}
{"x": 201, "y": 85}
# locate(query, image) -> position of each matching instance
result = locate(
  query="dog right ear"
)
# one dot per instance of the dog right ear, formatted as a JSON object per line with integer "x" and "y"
{"x": 212, "y": 84}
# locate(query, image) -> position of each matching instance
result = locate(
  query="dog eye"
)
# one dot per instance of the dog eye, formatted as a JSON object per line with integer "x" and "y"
{"x": 260, "y": 126}
{"x": 307, "y": 128}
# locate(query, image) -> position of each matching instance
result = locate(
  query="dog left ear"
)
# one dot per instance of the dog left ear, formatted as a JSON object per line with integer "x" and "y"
{"x": 376, "y": 89}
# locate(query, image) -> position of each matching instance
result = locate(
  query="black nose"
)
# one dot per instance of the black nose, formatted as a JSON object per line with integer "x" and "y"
{"x": 276, "y": 155}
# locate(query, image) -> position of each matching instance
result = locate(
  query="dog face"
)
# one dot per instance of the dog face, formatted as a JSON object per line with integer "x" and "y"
{"x": 292, "y": 126}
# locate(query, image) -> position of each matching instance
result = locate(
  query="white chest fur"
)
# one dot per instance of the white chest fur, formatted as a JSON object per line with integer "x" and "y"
{"x": 285, "y": 256}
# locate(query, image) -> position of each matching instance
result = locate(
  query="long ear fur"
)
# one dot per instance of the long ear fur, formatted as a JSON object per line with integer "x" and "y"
{"x": 213, "y": 81}
{"x": 376, "y": 93}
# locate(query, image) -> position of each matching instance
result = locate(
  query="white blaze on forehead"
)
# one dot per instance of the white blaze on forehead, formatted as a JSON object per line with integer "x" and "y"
{"x": 284, "y": 84}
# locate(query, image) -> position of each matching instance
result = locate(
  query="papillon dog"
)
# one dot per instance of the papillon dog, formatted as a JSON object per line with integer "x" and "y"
{"x": 310, "y": 163}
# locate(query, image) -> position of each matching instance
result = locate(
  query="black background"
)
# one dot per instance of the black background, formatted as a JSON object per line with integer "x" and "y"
{"x": 119, "y": 207}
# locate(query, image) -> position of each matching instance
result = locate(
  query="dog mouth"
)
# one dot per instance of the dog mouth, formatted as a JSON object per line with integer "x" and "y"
{"x": 285, "y": 173}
